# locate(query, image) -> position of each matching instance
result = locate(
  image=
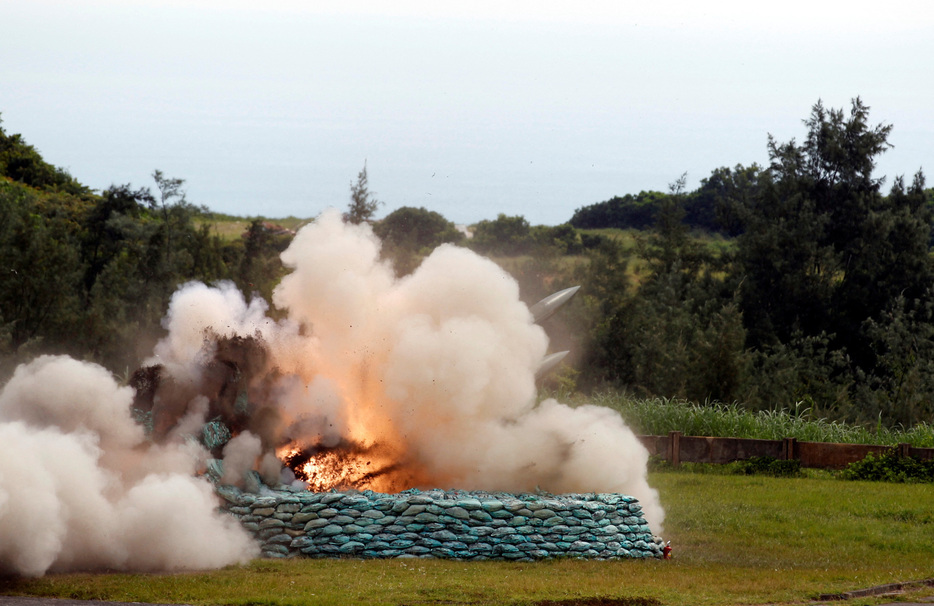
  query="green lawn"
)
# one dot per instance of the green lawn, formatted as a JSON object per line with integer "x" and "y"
{"x": 736, "y": 539}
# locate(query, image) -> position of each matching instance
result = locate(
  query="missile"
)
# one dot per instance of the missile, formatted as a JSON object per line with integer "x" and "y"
{"x": 545, "y": 308}
{"x": 549, "y": 363}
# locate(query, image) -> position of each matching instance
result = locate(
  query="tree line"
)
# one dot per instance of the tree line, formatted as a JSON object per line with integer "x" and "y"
{"x": 91, "y": 274}
{"x": 821, "y": 295}
{"x": 825, "y": 297}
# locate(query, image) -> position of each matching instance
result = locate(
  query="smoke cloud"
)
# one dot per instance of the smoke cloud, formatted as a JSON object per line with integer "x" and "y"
{"x": 82, "y": 488}
{"x": 432, "y": 375}
{"x": 424, "y": 381}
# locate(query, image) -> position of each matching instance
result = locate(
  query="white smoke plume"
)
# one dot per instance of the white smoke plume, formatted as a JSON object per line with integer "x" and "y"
{"x": 434, "y": 371}
{"x": 240, "y": 456}
{"x": 424, "y": 381}
{"x": 81, "y": 488}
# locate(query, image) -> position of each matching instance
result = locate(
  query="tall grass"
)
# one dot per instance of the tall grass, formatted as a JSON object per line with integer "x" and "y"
{"x": 658, "y": 416}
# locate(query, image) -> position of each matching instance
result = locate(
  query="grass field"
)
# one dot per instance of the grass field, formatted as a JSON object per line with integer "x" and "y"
{"x": 231, "y": 228}
{"x": 736, "y": 540}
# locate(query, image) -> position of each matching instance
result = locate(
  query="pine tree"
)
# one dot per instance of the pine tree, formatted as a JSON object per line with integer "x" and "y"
{"x": 363, "y": 205}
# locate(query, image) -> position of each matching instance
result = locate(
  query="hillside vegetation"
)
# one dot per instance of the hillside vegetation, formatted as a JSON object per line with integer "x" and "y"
{"x": 801, "y": 285}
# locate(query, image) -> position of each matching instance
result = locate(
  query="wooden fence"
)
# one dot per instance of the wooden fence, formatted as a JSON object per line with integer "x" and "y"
{"x": 678, "y": 448}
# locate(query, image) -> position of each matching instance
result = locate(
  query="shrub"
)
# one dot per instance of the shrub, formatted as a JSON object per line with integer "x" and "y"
{"x": 768, "y": 466}
{"x": 890, "y": 467}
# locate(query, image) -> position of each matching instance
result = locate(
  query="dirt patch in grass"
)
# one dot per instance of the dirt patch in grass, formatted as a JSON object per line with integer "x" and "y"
{"x": 591, "y": 601}
{"x": 600, "y": 601}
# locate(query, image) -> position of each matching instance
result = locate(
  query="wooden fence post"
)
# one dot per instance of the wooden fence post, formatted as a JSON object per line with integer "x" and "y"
{"x": 788, "y": 448}
{"x": 674, "y": 447}
{"x": 904, "y": 450}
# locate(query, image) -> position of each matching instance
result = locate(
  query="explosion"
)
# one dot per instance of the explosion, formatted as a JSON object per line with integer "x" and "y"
{"x": 368, "y": 382}
{"x": 345, "y": 466}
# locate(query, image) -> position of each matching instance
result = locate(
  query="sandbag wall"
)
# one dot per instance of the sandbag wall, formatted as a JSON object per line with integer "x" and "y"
{"x": 443, "y": 524}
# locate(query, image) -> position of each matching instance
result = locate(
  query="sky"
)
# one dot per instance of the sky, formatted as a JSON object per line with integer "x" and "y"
{"x": 469, "y": 109}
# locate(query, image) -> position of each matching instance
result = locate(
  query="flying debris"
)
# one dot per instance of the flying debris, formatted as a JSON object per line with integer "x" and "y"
{"x": 547, "y": 307}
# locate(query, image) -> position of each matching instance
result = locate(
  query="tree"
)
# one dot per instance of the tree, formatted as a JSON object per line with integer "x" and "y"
{"x": 717, "y": 205}
{"x": 503, "y": 236}
{"x": 105, "y": 234}
{"x": 680, "y": 334}
{"x": 170, "y": 194}
{"x": 408, "y": 234}
{"x": 627, "y": 212}
{"x": 823, "y": 248}
{"x": 91, "y": 275}
{"x": 669, "y": 243}
{"x": 562, "y": 239}
{"x": 41, "y": 270}
{"x": 21, "y": 162}
{"x": 363, "y": 204}
{"x": 824, "y": 255}
{"x": 260, "y": 266}
{"x": 416, "y": 228}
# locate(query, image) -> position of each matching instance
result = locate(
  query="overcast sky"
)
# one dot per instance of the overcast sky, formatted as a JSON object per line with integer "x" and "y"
{"x": 469, "y": 109}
